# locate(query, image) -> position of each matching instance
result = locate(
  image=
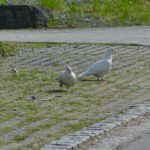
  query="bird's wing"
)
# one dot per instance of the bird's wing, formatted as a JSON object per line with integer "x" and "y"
{"x": 73, "y": 75}
{"x": 61, "y": 76}
{"x": 98, "y": 67}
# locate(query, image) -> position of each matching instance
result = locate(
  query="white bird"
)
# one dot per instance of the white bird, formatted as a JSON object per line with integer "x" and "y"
{"x": 67, "y": 77}
{"x": 101, "y": 67}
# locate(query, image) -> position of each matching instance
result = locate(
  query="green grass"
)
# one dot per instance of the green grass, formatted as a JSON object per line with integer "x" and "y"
{"x": 9, "y": 49}
{"x": 101, "y": 12}
{"x": 30, "y": 110}
{"x": 19, "y": 138}
{"x": 2, "y": 2}
{"x": 52, "y": 4}
{"x": 84, "y": 104}
{"x": 108, "y": 12}
{"x": 5, "y": 130}
{"x": 6, "y": 50}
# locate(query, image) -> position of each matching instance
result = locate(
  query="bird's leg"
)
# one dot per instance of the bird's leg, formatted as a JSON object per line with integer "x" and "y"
{"x": 98, "y": 78}
{"x": 67, "y": 89}
{"x": 102, "y": 79}
{"x": 61, "y": 85}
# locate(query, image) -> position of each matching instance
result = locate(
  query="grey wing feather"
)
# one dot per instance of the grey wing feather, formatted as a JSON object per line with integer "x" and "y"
{"x": 98, "y": 67}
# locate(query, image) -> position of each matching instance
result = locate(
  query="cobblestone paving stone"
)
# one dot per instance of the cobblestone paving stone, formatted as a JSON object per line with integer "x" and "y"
{"x": 100, "y": 128}
{"x": 27, "y": 123}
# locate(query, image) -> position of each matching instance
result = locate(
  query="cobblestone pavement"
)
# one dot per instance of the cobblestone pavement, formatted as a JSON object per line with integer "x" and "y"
{"x": 27, "y": 123}
{"x": 117, "y": 35}
{"x": 111, "y": 134}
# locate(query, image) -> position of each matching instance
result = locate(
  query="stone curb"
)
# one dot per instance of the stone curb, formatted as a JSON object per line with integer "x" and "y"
{"x": 80, "y": 137}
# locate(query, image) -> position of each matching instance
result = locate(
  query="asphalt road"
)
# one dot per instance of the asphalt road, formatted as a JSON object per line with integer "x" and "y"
{"x": 142, "y": 143}
{"x": 116, "y": 35}
{"x": 133, "y": 136}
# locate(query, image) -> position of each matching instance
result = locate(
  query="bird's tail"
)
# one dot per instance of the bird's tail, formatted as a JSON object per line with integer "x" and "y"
{"x": 82, "y": 74}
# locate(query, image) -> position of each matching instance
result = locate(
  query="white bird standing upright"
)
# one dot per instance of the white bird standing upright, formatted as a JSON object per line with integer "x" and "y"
{"x": 67, "y": 77}
{"x": 101, "y": 67}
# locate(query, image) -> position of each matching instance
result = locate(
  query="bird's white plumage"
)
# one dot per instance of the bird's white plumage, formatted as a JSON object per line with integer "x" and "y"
{"x": 100, "y": 67}
{"x": 67, "y": 77}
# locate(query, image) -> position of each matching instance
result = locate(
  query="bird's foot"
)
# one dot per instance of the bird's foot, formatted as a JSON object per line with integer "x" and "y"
{"x": 102, "y": 79}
